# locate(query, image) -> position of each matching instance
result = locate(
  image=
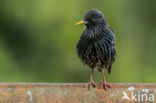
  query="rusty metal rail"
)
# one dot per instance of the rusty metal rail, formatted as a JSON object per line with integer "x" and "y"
{"x": 76, "y": 93}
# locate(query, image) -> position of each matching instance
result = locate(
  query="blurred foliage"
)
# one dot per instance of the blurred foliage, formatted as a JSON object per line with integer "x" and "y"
{"x": 38, "y": 39}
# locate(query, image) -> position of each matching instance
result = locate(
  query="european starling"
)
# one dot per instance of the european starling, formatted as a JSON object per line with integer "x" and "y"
{"x": 96, "y": 46}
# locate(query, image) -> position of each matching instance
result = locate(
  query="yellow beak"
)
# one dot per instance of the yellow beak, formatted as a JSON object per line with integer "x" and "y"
{"x": 80, "y": 22}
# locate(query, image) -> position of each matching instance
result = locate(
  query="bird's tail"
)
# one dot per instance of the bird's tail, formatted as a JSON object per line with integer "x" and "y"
{"x": 109, "y": 69}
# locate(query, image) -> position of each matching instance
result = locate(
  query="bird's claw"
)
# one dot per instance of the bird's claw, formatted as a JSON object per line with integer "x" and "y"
{"x": 91, "y": 83}
{"x": 104, "y": 85}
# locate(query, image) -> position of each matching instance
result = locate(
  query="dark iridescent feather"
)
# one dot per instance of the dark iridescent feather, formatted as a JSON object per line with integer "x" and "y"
{"x": 96, "y": 46}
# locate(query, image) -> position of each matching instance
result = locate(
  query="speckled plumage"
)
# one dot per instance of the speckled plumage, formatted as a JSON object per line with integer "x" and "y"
{"x": 96, "y": 46}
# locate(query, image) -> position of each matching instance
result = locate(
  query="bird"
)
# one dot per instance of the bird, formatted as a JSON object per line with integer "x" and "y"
{"x": 96, "y": 46}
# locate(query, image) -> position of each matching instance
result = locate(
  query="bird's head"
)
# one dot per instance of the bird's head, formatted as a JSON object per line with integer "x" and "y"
{"x": 92, "y": 18}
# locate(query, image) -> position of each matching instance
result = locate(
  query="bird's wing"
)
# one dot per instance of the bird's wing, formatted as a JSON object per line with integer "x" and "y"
{"x": 108, "y": 44}
{"x": 113, "y": 35}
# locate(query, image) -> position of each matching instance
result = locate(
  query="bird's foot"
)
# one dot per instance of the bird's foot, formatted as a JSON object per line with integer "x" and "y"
{"x": 91, "y": 83}
{"x": 104, "y": 85}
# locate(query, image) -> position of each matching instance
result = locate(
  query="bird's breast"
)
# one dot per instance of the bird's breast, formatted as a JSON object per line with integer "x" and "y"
{"x": 95, "y": 49}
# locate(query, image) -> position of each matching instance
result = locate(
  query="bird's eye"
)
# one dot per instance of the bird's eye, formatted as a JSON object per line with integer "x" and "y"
{"x": 95, "y": 19}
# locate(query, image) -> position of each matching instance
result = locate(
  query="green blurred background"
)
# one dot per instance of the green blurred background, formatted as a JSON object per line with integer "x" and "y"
{"x": 38, "y": 39}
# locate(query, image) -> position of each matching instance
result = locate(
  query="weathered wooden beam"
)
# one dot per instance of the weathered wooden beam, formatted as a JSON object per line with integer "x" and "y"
{"x": 75, "y": 93}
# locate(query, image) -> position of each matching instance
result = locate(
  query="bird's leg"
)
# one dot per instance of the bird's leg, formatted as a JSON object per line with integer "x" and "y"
{"x": 103, "y": 82}
{"x": 91, "y": 82}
